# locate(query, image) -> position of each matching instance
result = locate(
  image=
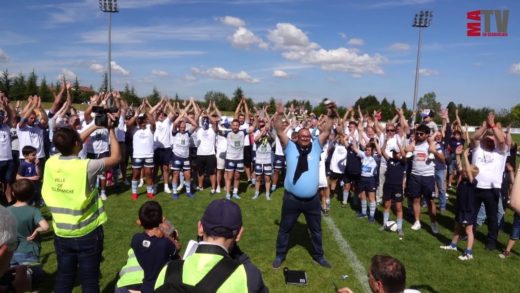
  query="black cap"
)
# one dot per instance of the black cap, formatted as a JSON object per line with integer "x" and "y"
{"x": 222, "y": 218}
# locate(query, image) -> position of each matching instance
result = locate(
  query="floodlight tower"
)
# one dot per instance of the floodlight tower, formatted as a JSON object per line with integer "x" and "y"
{"x": 109, "y": 6}
{"x": 422, "y": 20}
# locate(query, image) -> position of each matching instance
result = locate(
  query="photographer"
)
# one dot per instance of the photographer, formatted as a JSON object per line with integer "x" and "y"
{"x": 69, "y": 185}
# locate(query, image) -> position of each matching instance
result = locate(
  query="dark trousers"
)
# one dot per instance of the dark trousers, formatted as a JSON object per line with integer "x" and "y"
{"x": 292, "y": 207}
{"x": 490, "y": 199}
{"x": 83, "y": 253}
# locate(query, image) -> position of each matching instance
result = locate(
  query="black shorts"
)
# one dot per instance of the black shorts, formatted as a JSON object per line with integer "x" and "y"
{"x": 421, "y": 186}
{"x": 206, "y": 164}
{"x": 367, "y": 184}
{"x": 351, "y": 178}
{"x": 465, "y": 213}
{"x": 93, "y": 156}
{"x": 335, "y": 176}
{"x": 8, "y": 171}
{"x": 162, "y": 156}
{"x": 393, "y": 192}
{"x": 248, "y": 155}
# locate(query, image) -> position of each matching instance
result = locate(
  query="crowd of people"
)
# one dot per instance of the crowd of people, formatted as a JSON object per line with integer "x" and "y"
{"x": 64, "y": 159}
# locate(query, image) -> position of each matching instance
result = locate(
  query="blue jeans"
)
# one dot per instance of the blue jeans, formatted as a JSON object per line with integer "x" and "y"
{"x": 515, "y": 232}
{"x": 440, "y": 181}
{"x": 24, "y": 259}
{"x": 292, "y": 207}
{"x": 83, "y": 253}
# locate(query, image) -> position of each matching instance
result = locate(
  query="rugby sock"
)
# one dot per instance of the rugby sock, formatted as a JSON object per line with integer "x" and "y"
{"x": 267, "y": 195}
{"x": 253, "y": 181}
{"x": 345, "y": 196}
{"x": 174, "y": 188}
{"x": 134, "y": 185}
{"x": 273, "y": 187}
{"x": 372, "y": 208}
{"x": 257, "y": 193}
{"x": 166, "y": 186}
{"x": 149, "y": 189}
{"x": 386, "y": 216}
{"x": 235, "y": 190}
{"x": 327, "y": 203}
{"x": 364, "y": 207}
{"x": 181, "y": 178}
{"x": 187, "y": 184}
{"x": 399, "y": 224}
{"x": 468, "y": 251}
{"x": 453, "y": 244}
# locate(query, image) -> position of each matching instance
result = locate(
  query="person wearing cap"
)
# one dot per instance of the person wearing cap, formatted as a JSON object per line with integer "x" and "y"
{"x": 427, "y": 119}
{"x": 218, "y": 264}
{"x": 301, "y": 184}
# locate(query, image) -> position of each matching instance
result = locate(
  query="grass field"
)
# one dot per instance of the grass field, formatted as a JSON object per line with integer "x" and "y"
{"x": 429, "y": 268}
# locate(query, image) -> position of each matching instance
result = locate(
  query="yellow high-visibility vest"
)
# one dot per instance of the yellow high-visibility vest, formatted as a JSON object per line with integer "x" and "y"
{"x": 131, "y": 273}
{"x": 74, "y": 213}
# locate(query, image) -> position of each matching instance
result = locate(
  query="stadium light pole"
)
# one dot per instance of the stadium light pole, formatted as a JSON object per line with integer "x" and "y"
{"x": 422, "y": 20}
{"x": 109, "y": 6}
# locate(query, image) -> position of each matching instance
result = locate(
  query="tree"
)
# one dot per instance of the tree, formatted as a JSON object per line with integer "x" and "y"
{"x": 451, "y": 110}
{"x": 367, "y": 104}
{"x": 429, "y": 101}
{"x": 31, "y": 86}
{"x": 155, "y": 97}
{"x": 5, "y": 82}
{"x": 130, "y": 96}
{"x": 237, "y": 96}
{"x": 76, "y": 92}
{"x": 45, "y": 92}
{"x": 18, "y": 89}
{"x": 387, "y": 110}
{"x": 222, "y": 101}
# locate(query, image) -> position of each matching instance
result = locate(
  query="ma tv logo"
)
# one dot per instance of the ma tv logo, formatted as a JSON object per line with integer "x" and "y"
{"x": 482, "y": 19}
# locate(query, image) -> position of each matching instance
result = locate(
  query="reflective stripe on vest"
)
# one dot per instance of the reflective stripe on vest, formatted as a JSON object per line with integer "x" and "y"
{"x": 131, "y": 273}
{"x": 74, "y": 213}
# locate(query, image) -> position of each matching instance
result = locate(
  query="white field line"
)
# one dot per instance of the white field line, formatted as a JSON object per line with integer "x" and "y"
{"x": 352, "y": 258}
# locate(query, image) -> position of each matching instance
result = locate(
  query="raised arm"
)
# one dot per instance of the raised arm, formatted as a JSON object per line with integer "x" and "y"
{"x": 278, "y": 125}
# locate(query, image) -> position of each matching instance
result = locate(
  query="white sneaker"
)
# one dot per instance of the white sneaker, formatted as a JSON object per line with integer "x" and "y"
{"x": 103, "y": 196}
{"x": 235, "y": 196}
{"x": 228, "y": 197}
{"x": 448, "y": 247}
{"x": 268, "y": 197}
{"x": 180, "y": 187}
{"x": 256, "y": 196}
{"x": 435, "y": 229}
{"x": 416, "y": 226}
{"x": 167, "y": 189}
{"x": 466, "y": 256}
{"x": 141, "y": 183}
{"x": 218, "y": 189}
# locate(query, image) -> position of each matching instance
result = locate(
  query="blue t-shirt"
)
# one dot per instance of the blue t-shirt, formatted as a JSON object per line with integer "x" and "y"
{"x": 395, "y": 171}
{"x": 307, "y": 184}
{"x": 27, "y": 169}
{"x": 152, "y": 253}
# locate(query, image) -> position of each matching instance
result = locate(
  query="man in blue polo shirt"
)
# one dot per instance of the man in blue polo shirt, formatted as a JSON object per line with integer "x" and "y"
{"x": 301, "y": 185}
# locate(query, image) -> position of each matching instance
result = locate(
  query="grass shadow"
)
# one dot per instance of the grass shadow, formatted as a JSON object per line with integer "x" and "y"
{"x": 299, "y": 236}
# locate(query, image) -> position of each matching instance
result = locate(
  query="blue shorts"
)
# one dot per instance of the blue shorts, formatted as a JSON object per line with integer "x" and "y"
{"x": 367, "y": 184}
{"x": 94, "y": 156}
{"x": 515, "y": 232}
{"x": 142, "y": 162}
{"x": 266, "y": 169}
{"x": 27, "y": 258}
{"x": 421, "y": 185}
{"x": 393, "y": 192}
{"x": 177, "y": 163}
{"x": 279, "y": 162}
{"x": 162, "y": 156}
{"x": 7, "y": 171}
{"x": 234, "y": 165}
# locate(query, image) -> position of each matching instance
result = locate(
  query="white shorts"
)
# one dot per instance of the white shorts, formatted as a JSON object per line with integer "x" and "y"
{"x": 323, "y": 176}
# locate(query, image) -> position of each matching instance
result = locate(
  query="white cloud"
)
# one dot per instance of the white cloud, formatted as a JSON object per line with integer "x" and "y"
{"x": 3, "y": 56}
{"x": 67, "y": 74}
{"x": 118, "y": 69}
{"x": 244, "y": 38}
{"x": 160, "y": 73}
{"x": 232, "y": 21}
{"x": 514, "y": 68}
{"x": 223, "y": 74}
{"x": 280, "y": 73}
{"x": 399, "y": 47}
{"x": 356, "y": 42}
{"x": 295, "y": 45}
{"x": 343, "y": 35}
{"x": 427, "y": 72}
{"x": 97, "y": 67}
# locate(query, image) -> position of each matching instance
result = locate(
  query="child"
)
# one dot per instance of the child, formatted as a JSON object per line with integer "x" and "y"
{"x": 393, "y": 186}
{"x": 464, "y": 210}
{"x": 30, "y": 223}
{"x": 153, "y": 248}
{"x": 29, "y": 169}
{"x": 515, "y": 234}
{"x": 367, "y": 184}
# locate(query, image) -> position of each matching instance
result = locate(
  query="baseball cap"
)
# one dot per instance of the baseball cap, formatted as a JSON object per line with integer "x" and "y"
{"x": 222, "y": 218}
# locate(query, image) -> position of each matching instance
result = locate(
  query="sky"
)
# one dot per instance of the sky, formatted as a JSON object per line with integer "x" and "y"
{"x": 287, "y": 49}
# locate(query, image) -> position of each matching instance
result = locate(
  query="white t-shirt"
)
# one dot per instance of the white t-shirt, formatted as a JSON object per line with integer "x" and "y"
{"x": 278, "y": 150}
{"x": 162, "y": 134}
{"x": 368, "y": 165}
{"x": 264, "y": 150}
{"x": 338, "y": 161}
{"x": 206, "y": 142}
{"x": 422, "y": 165}
{"x": 235, "y": 145}
{"x": 143, "y": 143}
{"x": 245, "y": 127}
{"x": 491, "y": 167}
{"x": 5, "y": 143}
{"x": 33, "y": 136}
{"x": 221, "y": 144}
{"x": 100, "y": 141}
{"x": 181, "y": 144}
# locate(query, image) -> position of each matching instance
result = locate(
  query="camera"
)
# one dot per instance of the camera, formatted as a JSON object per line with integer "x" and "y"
{"x": 101, "y": 118}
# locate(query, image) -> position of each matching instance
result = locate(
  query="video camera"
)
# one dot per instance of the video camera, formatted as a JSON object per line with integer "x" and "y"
{"x": 101, "y": 118}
